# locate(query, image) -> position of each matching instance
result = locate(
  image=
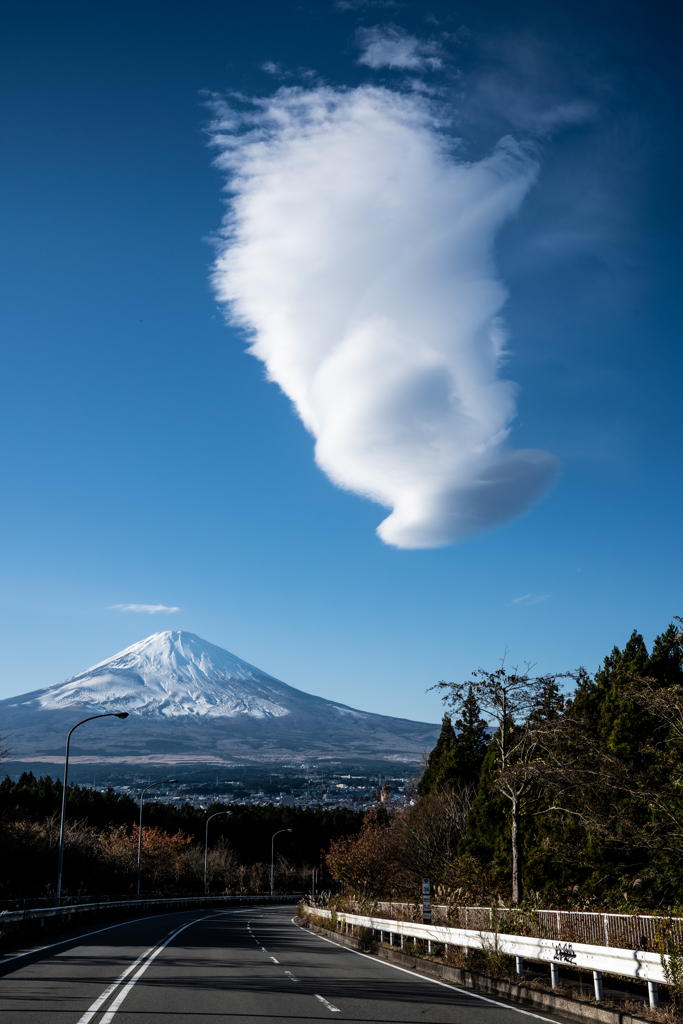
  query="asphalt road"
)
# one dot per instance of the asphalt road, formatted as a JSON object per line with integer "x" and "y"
{"x": 246, "y": 966}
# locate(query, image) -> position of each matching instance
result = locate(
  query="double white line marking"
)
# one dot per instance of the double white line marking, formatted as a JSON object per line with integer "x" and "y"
{"x": 145, "y": 959}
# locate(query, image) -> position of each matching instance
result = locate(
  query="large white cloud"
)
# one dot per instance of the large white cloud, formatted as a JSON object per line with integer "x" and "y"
{"x": 357, "y": 250}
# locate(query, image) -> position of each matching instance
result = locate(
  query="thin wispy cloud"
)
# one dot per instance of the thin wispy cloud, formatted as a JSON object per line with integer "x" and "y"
{"x": 278, "y": 71}
{"x": 354, "y": 5}
{"x": 148, "y": 609}
{"x": 531, "y": 599}
{"x": 271, "y": 68}
{"x": 387, "y": 46}
{"x": 357, "y": 254}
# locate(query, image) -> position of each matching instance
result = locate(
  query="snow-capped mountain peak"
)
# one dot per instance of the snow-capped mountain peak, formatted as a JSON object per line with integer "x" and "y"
{"x": 188, "y": 698}
{"x": 174, "y": 673}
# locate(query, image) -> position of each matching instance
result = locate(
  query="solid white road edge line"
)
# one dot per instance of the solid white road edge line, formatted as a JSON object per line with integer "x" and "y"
{"x": 109, "y": 1015}
{"x": 423, "y": 977}
{"x": 334, "y": 1009}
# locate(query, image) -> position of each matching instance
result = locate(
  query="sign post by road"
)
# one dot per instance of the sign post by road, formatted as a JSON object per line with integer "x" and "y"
{"x": 426, "y": 901}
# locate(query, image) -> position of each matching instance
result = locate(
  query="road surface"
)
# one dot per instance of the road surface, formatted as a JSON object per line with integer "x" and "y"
{"x": 251, "y": 965}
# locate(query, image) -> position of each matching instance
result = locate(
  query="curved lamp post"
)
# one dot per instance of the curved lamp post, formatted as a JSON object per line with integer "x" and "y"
{"x": 272, "y": 854}
{"x": 164, "y": 782}
{"x": 206, "y": 843}
{"x": 110, "y": 714}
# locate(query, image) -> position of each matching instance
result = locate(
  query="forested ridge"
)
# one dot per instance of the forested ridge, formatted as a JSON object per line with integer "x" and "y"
{"x": 572, "y": 798}
{"x": 102, "y": 842}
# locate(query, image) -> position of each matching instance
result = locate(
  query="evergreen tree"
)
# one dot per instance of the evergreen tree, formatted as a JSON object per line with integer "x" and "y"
{"x": 619, "y": 736}
{"x": 488, "y": 823}
{"x": 436, "y": 769}
{"x": 471, "y": 742}
{"x": 550, "y": 701}
{"x": 457, "y": 758}
{"x": 607, "y": 703}
{"x": 666, "y": 660}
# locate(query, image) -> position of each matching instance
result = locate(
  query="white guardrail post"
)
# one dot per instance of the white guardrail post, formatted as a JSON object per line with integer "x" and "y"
{"x": 629, "y": 963}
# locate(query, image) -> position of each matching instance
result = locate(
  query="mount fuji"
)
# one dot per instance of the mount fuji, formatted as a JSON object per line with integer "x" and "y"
{"x": 188, "y": 699}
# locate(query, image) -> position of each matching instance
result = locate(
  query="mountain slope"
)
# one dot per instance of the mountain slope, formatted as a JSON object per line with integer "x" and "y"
{"x": 187, "y": 696}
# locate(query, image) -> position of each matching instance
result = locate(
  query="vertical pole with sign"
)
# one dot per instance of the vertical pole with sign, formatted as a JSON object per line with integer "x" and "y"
{"x": 426, "y": 901}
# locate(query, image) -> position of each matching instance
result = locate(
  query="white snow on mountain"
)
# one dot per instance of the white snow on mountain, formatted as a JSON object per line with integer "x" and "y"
{"x": 171, "y": 674}
{"x": 189, "y": 698}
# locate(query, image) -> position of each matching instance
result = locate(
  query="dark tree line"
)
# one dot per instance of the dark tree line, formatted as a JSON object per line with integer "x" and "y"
{"x": 570, "y": 799}
{"x": 102, "y": 842}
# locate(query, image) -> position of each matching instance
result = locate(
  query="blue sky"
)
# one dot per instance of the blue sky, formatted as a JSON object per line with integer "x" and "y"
{"x": 148, "y": 460}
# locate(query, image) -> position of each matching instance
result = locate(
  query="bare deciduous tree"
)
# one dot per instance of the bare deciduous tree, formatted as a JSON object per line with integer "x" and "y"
{"x": 428, "y": 833}
{"x": 511, "y": 699}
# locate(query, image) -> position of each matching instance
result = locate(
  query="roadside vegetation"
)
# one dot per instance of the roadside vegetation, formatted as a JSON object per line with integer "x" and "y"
{"x": 574, "y": 801}
{"x": 101, "y": 844}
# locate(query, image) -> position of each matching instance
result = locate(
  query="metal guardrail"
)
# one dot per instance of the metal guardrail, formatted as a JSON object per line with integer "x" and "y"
{"x": 30, "y": 902}
{"x": 640, "y": 931}
{"x": 32, "y": 913}
{"x": 629, "y": 963}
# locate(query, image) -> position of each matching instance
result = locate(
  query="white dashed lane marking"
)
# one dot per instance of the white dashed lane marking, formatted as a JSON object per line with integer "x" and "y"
{"x": 274, "y": 960}
{"x": 333, "y": 1009}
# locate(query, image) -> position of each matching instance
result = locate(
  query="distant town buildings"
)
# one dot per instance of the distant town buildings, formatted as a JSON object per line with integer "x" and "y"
{"x": 355, "y": 792}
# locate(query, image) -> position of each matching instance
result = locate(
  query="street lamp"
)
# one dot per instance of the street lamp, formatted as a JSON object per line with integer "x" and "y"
{"x": 164, "y": 782}
{"x": 109, "y": 714}
{"x": 272, "y": 854}
{"x": 206, "y": 843}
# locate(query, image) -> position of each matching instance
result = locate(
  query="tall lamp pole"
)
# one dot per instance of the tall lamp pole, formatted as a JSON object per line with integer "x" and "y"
{"x": 272, "y": 854}
{"x": 110, "y": 714}
{"x": 164, "y": 782}
{"x": 206, "y": 843}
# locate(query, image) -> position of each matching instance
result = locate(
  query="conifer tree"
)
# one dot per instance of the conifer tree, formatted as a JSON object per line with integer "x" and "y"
{"x": 457, "y": 758}
{"x": 438, "y": 759}
{"x": 471, "y": 742}
{"x": 607, "y": 702}
{"x": 488, "y": 823}
{"x": 666, "y": 660}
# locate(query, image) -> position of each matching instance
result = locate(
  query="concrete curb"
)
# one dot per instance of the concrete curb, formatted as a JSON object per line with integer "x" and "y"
{"x": 493, "y": 988}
